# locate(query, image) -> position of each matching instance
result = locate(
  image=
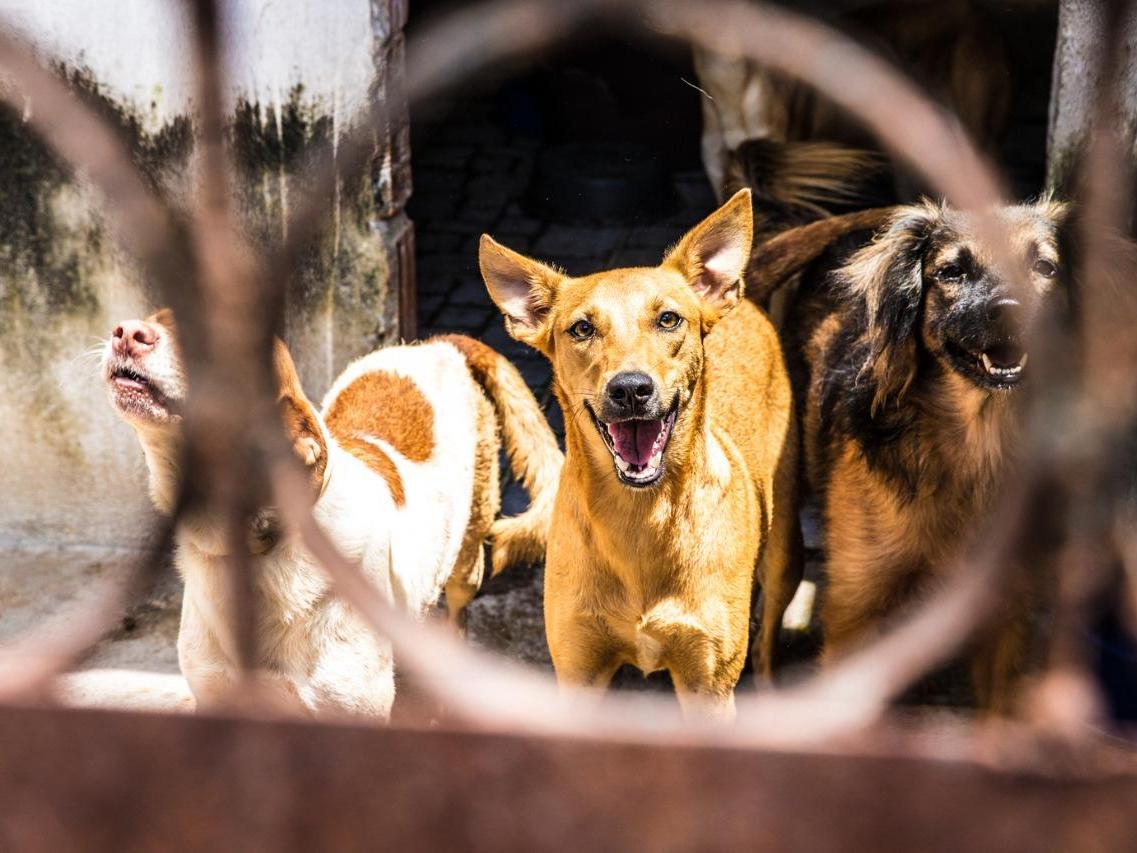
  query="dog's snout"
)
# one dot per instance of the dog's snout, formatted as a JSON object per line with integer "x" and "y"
{"x": 1005, "y": 311}
{"x": 134, "y": 337}
{"x": 630, "y": 390}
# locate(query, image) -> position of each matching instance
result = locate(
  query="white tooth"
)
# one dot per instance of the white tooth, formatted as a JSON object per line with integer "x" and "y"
{"x": 622, "y": 465}
{"x": 1022, "y": 361}
{"x": 986, "y": 359}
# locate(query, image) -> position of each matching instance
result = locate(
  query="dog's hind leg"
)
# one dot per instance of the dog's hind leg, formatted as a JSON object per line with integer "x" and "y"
{"x": 470, "y": 567}
{"x": 998, "y": 664}
{"x": 780, "y": 570}
{"x": 463, "y": 585}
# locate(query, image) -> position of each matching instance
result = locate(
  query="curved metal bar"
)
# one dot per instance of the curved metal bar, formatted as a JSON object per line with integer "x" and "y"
{"x": 491, "y": 33}
{"x": 845, "y": 698}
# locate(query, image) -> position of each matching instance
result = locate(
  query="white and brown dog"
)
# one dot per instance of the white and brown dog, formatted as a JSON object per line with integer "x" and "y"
{"x": 404, "y": 459}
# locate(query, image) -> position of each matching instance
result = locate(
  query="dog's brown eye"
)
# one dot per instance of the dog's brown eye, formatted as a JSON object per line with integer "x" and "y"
{"x": 669, "y": 320}
{"x": 950, "y": 272}
{"x": 1045, "y": 268}
{"x": 581, "y": 330}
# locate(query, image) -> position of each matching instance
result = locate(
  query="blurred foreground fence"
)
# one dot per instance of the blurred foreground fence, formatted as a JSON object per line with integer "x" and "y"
{"x": 517, "y": 765}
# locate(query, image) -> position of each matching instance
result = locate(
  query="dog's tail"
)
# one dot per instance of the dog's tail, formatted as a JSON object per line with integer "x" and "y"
{"x": 531, "y": 447}
{"x": 783, "y": 256}
{"x": 793, "y": 183}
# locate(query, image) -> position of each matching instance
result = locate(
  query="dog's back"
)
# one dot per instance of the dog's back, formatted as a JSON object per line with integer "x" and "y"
{"x": 413, "y": 416}
{"x": 429, "y": 418}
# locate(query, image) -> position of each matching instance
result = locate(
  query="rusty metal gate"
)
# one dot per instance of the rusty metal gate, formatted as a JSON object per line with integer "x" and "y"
{"x": 822, "y": 764}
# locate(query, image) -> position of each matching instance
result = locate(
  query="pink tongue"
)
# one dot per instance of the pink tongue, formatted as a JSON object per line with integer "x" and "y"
{"x": 635, "y": 439}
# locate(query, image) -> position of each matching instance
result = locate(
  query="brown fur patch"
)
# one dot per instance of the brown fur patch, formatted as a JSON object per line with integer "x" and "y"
{"x": 777, "y": 260}
{"x": 387, "y": 406}
{"x": 380, "y": 463}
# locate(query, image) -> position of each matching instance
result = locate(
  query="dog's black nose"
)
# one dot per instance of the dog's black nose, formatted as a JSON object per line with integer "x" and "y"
{"x": 630, "y": 390}
{"x": 1005, "y": 311}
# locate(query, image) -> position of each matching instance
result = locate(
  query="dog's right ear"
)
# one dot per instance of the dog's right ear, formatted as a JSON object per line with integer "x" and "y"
{"x": 523, "y": 289}
{"x": 887, "y": 277}
{"x": 301, "y": 420}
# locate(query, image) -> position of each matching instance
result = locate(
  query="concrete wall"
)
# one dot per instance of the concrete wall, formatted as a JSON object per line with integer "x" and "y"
{"x": 1077, "y": 56}
{"x": 70, "y": 472}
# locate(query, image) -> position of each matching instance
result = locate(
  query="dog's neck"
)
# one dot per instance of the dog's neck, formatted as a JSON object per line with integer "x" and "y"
{"x": 976, "y": 431}
{"x": 162, "y": 447}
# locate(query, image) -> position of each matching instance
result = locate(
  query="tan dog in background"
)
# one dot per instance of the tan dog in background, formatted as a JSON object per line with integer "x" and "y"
{"x": 403, "y": 460}
{"x": 680, "y": 478}
{"x": 948, "y": 46}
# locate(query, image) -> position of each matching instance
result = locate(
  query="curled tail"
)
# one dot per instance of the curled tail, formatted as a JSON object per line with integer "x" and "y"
{"x": 793, "y": 183}
{"x": 530, "y": 445}
{"x": 783, "y": 256}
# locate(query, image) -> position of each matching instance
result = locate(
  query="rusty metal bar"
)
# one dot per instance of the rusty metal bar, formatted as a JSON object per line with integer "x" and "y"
{"x": 239, "y": 305}
{"x": 207, "y": 784}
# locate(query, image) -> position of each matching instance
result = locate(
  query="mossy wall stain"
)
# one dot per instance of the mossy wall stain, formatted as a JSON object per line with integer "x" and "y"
{"x": 63, "y": 282}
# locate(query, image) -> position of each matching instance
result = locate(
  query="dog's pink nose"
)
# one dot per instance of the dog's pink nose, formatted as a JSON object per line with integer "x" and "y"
{"x": 134, "y": 337}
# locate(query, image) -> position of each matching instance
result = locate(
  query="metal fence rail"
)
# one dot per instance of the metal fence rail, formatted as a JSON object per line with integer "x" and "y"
{"x": 228, "y": 297}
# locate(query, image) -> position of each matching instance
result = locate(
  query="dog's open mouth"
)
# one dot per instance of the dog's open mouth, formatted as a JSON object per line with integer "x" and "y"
{"x": 637, "y": 446}
{"x": 1000, "y": 365}
{"x": 136, "y": 393}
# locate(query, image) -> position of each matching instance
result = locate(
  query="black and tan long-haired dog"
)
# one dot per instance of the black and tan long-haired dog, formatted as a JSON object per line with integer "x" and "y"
{"x": 909, "y": 357}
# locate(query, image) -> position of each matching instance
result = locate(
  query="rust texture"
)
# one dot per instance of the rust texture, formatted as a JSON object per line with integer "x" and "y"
{"x": 819, "y": 764}
{"x": 81, "y": 780}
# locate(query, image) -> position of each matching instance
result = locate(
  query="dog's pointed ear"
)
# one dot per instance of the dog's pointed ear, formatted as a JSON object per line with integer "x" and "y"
{"x": 301, "y": 420}
{"x": 887, "y": 278}
{"x": 712, "y": 256}
{"x": 523, "y": 289}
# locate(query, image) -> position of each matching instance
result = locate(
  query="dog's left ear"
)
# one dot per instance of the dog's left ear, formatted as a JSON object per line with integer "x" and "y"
{"x": 301, "y": 420}
{"x": 712, "y": 256}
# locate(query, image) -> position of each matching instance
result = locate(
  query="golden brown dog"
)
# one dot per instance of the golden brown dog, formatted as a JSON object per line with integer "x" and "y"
{"x": 910, "y": 356}
{"x": 680, "y": 472}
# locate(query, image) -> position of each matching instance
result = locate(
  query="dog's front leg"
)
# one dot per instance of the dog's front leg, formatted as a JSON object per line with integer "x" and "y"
{"x": 582, "y": 651}
{"x": 201, "y": 659}
{"x": 702, "y": 700}
{"x": 704, "y": 669}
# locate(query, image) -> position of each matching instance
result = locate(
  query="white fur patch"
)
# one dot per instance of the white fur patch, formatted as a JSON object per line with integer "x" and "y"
{"x": 800, "y": 612}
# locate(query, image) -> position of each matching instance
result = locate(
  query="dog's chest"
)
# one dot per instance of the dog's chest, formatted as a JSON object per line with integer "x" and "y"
{"x": 648, "y": 611}
{"x": 287, "y": 593}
